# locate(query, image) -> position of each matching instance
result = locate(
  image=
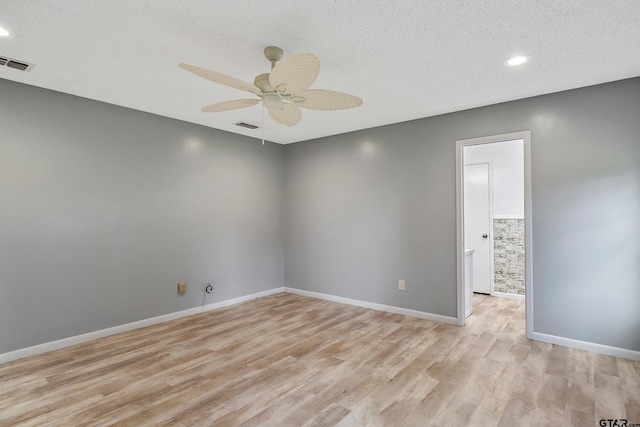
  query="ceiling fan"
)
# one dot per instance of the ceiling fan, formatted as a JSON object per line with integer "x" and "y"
{"x": 283, "y": 91}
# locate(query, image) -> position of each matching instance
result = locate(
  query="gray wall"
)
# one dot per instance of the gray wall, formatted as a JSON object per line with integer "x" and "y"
{"x": 104, "y": 209}
{"x": 368, "y": 208}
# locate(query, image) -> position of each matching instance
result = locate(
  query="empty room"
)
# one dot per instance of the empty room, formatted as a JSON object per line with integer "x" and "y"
{"x": 297, "y": 213}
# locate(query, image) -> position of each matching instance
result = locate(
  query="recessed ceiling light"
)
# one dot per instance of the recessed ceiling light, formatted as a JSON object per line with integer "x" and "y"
{"x": 516, "y": 60}
{"x": 3, "y": 32}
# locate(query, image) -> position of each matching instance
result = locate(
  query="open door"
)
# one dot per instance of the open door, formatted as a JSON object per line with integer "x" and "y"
{"x": 477, "y": 224}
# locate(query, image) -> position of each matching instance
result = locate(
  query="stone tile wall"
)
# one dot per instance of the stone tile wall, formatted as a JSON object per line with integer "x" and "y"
{"x": 508, "y": 253}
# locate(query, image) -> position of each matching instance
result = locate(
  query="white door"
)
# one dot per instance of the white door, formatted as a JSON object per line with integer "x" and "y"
{"x": 477, "y": 224}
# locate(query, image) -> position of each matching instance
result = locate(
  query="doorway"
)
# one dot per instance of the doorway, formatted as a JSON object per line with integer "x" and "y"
{"x": 480, "y": 176}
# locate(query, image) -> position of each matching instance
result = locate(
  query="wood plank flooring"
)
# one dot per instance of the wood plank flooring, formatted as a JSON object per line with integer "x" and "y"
{"x": 289, "y": 360}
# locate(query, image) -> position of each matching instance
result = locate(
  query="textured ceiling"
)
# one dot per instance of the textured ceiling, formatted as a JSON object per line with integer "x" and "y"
{"x": 405, "y": 59}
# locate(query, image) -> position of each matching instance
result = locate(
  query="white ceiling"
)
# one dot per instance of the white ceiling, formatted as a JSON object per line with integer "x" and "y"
{"x": 405, "y": 59}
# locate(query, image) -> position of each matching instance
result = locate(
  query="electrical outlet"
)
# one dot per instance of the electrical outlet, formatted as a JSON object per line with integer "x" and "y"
{"x": 401, "y": 285}
{"x": 182, "y": 288}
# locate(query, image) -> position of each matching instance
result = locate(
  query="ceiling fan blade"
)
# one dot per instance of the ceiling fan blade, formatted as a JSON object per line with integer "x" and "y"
{"x": 288, "y": 115}
{"x": 229, "y": 105}
{"x": 221, "y": 78}
{"x": 326, "y": 100}
{"x": 295, "y": 73}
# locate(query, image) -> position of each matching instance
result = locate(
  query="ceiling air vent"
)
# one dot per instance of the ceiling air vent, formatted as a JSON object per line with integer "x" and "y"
{"x": 246, "y": 125}
{"x": 15, "y": 64}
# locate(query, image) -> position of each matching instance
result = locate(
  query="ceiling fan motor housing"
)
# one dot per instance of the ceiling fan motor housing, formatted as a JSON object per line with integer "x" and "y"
{"x": 262, "y": 82}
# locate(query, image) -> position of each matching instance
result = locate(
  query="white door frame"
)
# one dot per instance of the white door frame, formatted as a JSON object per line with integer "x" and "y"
{"x": 528, "y": 279}
{"x": 489, "y": 163}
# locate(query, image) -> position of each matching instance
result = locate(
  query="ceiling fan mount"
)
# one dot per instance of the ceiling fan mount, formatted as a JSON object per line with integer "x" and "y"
{"x": 273, "y": 54}
{"x": 283, "y": 91}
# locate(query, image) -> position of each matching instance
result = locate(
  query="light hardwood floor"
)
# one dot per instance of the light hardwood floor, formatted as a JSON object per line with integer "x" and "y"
{"x": 289, "y": 360}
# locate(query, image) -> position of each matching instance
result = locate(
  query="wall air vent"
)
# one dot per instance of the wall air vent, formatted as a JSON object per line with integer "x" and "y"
{"x": 15, "y": 64}
{"x": 246, "y": 125}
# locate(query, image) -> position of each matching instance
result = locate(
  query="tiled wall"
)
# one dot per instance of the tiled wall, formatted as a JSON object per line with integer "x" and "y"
{"x": 508, "y": 252}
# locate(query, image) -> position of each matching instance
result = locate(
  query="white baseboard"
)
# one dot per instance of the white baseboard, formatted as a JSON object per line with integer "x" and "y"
{"x": 375, "y": 306}
{"x": 508, "y": 296}
{"x": 587, "y": 346}
{"x": 66, "y": 342}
